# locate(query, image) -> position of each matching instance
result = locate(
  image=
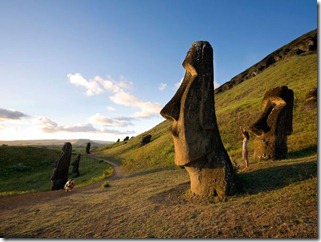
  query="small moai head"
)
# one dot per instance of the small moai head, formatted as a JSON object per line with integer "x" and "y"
{"x": 277, "y": 114}
{"x": 274, "y": 124}
{"x": 192, "y": 107}
{"x": 67, "y": 148}
{"x": 88, "y": 148}
{"x": 75, "y": 164}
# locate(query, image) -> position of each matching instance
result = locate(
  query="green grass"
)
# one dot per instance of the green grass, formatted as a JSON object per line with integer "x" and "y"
{"x": 28, "y": 169}
{"x": 239, "y": 106}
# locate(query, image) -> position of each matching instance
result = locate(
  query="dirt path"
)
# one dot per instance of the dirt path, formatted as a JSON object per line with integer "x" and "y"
{"x": 117, "y": 171}
{"x": 158, "y": 205}
{"x": 18, "y": 200}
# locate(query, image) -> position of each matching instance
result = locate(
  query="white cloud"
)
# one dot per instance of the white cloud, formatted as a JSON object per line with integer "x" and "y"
{"x": 177, "y": 84}
{"x": 49, "y": 126}
{"x": 111, "y": 109}
{"x": 148, "y": 109}
{"x": 162, "y": 86}
{"x": 93, "y": 88}
{"x": 7, "y": 114}
{"x": 120, "y": 95}
{"x": 102, "y": 120}
{"x": 216, "y": 85}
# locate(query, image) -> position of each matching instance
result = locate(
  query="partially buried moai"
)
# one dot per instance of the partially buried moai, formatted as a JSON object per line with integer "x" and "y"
{"x": 75, "y": 164}
{"x": 88, "y": 148}
{"x": 274, "y": 124}
{"x": 60, "y": 173}
{"x": 197, "y": 141}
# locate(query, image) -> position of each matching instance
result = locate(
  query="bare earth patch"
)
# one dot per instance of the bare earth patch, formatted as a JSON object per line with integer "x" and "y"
{"x": 160, "y": 205}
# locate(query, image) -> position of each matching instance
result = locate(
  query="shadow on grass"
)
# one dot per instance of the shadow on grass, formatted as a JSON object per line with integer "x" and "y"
{"x": 311, "y": 150}
{"x": 276, "y": 177}
{"x": 150, "y": 171}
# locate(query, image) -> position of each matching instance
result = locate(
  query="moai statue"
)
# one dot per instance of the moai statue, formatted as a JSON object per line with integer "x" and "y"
{"x": 274, "y": 125}
{"x": 197, "y": 141}
{"x": 75, "y": 164}
{"x": 60, "y": 173}
{"x": 88, "y": 148}
{"x": 146, "y": 139}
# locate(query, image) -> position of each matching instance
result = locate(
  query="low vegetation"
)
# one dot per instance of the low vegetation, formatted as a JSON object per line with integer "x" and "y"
{"x": 275, "y": 199}
{"x": 239, "y": 106}
{"x": 28, "y": 169}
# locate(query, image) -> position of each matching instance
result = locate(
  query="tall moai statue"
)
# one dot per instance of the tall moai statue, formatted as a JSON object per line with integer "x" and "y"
{"x": 75, "y": 164}
{"x": 197, "y": 141}
{"x": 274, "y": 124}
{"x": 88, "y": 148}
{"x": 59, "y": 175}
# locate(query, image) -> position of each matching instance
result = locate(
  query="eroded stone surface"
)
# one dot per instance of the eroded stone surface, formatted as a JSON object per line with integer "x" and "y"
{"x": 196, "y": 137}
{"x": 274, "y": 124}
{"x": 59, "y": 175}
{"x": 75, "y": 164}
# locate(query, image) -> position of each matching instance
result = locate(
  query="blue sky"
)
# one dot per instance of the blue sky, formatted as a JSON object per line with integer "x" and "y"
{"x": 104, "y": 69}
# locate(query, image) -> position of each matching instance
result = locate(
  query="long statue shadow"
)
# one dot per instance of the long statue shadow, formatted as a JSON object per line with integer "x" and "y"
{"x": 311, "y": 150}
{"x": 276, "y": 177}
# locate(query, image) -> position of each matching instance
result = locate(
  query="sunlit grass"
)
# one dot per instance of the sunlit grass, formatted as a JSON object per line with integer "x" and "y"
{"x": 26, "y": 169}
{"x": 239, "y": 106}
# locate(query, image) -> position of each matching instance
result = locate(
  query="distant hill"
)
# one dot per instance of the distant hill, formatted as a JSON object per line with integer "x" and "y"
{"x": 55, "y": 142}
{"x": 307, "y": 43}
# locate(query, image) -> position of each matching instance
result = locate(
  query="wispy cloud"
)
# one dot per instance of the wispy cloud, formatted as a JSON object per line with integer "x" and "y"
{"x": 102, "y": 120}
{"x": 9, "y": 114}
{"x": 49, "y": 126}
{"x": 162, "y": 86}
{"x": 120, "y": 94}
{"x": 93, "y": 88}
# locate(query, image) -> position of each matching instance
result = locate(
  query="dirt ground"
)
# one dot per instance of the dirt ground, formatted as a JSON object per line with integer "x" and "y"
{"x": 159, "y": 205}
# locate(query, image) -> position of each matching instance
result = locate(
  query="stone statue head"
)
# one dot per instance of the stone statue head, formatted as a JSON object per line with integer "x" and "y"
{"x": 274, "y": 124}
{"x": 192, "y": 107}
{"x": 67, "y": 148}
{"x": 277, "y": 112}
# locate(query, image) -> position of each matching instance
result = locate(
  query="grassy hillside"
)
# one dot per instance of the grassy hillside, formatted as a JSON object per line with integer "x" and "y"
{"x": 277, "y": 199}
{"x": 28, "y": 169}
{"x": 240, "y": 105}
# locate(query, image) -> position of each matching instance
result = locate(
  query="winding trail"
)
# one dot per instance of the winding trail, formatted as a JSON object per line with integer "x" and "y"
{"x": 117, "y": 174}
{"x": 21, "y": 200}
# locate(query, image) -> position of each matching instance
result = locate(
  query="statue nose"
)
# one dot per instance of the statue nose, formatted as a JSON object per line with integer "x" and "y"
{"x": 171, "y": 111}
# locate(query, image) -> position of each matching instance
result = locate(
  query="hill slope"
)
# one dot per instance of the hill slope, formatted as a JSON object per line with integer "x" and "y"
{"x": 278, "y": 200}
{"x": 240, "y": 105}
{"x": 306, "y": 43}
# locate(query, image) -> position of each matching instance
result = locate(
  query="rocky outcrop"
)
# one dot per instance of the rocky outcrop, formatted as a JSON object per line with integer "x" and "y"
{"x": 307, "y": 43}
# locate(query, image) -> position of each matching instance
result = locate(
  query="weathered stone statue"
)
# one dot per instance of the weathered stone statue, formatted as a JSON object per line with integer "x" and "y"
{"x": 60, "y": 173}
{"x": 197, "y": 141}
{"x": 274, "y": 125}
{"x": 75, "y": 164}
{"x": 146, "y": 139}
{"x": 311, "y": 99}
{"x": 88, "y": 148}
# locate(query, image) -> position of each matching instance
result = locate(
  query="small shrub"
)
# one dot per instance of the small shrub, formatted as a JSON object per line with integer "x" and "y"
{"x": 105, "y": 184}
{"x": 20, "y": 167}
